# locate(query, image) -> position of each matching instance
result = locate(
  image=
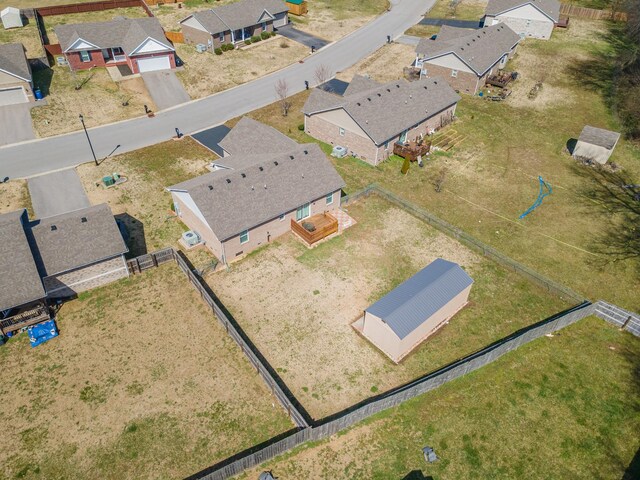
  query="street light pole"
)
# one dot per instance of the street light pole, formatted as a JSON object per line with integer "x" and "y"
{"x": 88, "y": 140}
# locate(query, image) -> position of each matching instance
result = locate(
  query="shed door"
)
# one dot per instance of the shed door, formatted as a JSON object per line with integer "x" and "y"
{"x": 11, "y": 96}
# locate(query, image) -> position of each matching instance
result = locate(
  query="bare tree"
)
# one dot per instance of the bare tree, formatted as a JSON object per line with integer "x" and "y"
{"x": 322, "y": 73}
{"x": 282, "y": 92}
{"x": 438, "y": 182}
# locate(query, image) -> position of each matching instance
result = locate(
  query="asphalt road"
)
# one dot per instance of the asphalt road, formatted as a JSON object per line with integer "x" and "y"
{"x": 57, "y": 193}
{"x": 39, "y": 156}
{"x": 165, "y": 89}
{"x": 16, "y": 124}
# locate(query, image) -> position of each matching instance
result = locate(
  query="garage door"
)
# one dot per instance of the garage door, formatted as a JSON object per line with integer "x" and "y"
{"x": 153, "y": 64}
{"x": 280, "y": 20}
{"x": 12, "y": 96}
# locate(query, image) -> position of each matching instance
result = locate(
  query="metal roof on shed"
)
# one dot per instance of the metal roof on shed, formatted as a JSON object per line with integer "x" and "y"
{"x": 415, "y": 300}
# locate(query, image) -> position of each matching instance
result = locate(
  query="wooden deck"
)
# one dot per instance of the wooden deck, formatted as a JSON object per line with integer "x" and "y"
{"x": 501, "y": 79}
{"x": 24, "y": 318}
{"x": 323, "y": 224}
{"x": 411, "y": 150}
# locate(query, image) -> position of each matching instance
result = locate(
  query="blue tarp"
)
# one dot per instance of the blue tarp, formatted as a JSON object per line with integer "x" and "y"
{"x": 42, "y": 332}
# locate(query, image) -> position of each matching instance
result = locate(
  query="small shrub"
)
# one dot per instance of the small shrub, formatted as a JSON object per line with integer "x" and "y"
{"x": 256, "y": 38}
{"x": 227, "y": 46}
{"x": 247, "y": 41}
{"x": 217, "y": 51}
{"x": 301, "y": 127}
{"x": 284, "y": 44}
{"x": 273, "y": 34}
{"x": 265, "y": 35}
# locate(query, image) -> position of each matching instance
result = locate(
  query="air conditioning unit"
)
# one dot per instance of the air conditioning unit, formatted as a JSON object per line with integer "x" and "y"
{"x": 191, "y": 238}
{"x": 201, "y": 48}
{"x": 339, "y": 151}
{"x": 61, "y": 61}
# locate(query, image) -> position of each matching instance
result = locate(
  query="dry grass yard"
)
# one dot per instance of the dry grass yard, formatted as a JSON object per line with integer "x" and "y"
{"x": 100, "y": 100}
{"x": 27, "y": 36}
{"x": 14, "y": 195}
{"x": 207, "y": 73}
{"x": 462, "y": 10}
{"x": 142, "y": 199}
{"x": 561, "y": 407}
{"x": 297, "y": 305}
{"x": 142, "y": 383}
{"x": 385, "y": 65}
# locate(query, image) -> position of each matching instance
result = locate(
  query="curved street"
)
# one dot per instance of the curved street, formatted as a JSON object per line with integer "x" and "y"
{"x": 54, "y": 153}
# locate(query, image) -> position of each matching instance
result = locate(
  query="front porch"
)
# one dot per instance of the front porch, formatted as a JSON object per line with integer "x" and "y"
{"x": 25, "y": 316}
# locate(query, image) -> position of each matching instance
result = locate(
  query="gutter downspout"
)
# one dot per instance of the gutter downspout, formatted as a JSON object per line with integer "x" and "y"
{"x": 224, "y": 255}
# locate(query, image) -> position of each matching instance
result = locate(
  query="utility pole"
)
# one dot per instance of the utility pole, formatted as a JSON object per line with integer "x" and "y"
{"x": 88, "y": 139}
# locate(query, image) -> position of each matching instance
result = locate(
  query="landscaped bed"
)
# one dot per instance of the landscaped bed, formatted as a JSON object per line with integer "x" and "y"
{"x": 560, "y": 407}
{"x": 142, "y": 382}
{"x": 297, "y": 305}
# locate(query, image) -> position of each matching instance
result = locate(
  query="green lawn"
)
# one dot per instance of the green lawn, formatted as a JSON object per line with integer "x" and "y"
{"x": 560, "y": 407}
{"x": 492, "y": 176}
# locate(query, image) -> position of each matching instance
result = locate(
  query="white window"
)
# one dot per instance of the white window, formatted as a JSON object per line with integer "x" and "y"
{"x": 244, "y": 237}
{"x": 454, "y": 73}
{"x": 341, "y": 132}
{"x": 281, "y": 217}
{"x": 303, "y": 212}
{"x": 84, "y": 56}
{"x": 221, "y": 37}
{"x": 330, "y": 198}
{"x": 264, "y": 26}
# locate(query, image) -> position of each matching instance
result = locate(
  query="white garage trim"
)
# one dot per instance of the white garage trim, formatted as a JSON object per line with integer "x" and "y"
{"x": 13, "y": 95}
{"x": 154, "y": 63}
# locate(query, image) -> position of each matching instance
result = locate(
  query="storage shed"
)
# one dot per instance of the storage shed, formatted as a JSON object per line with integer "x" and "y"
{"x": 406, "y": 316}
{"x": 11, "y": 18}
{"x": 297, "y": 7}
{"x": 595, "y": 144}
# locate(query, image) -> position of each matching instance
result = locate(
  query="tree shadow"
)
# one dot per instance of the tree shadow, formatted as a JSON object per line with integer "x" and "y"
{"x": 416, "y": 475}
{"x": 615, "y": 196}
{"x": 132, "y": 231}
{"x": 42, "y": 79}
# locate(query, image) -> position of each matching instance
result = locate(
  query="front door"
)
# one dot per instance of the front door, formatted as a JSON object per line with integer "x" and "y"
{"x": 247, "y": 33}
{"x": 106, "y": 54}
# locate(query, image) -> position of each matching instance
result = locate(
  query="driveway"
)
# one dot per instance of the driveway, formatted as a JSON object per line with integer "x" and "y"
{"x": 211, "y": 137}
{"x": 304, "y": 38}
{"x": 451, "y": 23}
{"x": 47, "y": 154}
{"x": 56, "y": 193}
{"x": 15, "y": 124}
{"x": 165, "y": 89}
{"x": 408, "y": 40}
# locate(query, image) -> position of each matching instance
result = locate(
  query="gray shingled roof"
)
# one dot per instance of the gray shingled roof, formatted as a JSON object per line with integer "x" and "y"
{"x": 599, "y": 136}
{"x": 235, "y": 16}
{"x": 479, "y": 49}
{"x": 551, "y": 8}
{"x": 387, "y": 110}
{"x": 414, "y": 301}
{"x": 13, "y": 60}
{"x": 360, "y": 83}
{"x": 250, "y": 137}
{"x": 19, "y": 279}
{"x": 76, "y": 243}
{"x": 127, "y": 33}
{"x": 236, "y": 200}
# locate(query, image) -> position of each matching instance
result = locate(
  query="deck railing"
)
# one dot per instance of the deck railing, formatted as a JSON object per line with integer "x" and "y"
{"x": 325, "y": 224}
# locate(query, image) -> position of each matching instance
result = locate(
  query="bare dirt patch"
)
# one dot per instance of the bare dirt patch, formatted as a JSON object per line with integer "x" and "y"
{"x": 385, "y": 65}
{"x": 14, "y": 195}
{"x": 207, "y": 73}
{"x": 297, "y": 305}
{"x": 141, "y": 374}
{"x": 100, "y": 100}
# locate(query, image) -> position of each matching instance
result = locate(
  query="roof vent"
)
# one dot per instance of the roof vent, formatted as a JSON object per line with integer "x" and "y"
{"x": 252, "y": 187}
{"x": 388, "y": 90}
{"x": 306, "y": 152}
{"x": 53, "y": 228}
{"x": 303, "y": 175}
{"x": 461, "y": 48}
{"x": 244, "y": 175}
{"x": 275, "y": 163}
{"x": 265, "y": 186}
{"x": 228, "y": 180}
{"x": 210, "y": 187}
{"x": 291, "y": 157}
{"x": 83, "y": 219}
{"x": 379, "y": 94}
{"x": 261, "y": 169}
{"x": 358, "y": 103}
{"x": 369, "y": 98}
{"x": 425, "y": 87}
{"x": 397, "y": 85}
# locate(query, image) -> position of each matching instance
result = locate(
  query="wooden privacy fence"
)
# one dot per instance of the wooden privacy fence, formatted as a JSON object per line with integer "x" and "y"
{"x": 467, "y": 240}
{"x": 91, "y": 7}
{"x": 150, "y": 260}
{"x": 592, "y": 13}
{"x": 175, "y": 37}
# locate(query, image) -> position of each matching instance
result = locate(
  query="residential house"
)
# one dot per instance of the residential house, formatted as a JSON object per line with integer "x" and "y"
{"x": 253, "y": 198}
{"x": 16, "y": 82}
{"x": 528, "y": 18}
{"x": 22, "y": 296}
{"x": 464, "y": 57}
{"x": 595, "y": 144}
{"x": 78, "y": 250}
{"x": 370, "y": 117}
{"x": 417, "y": 308}
{"x": 139, "y": 43}
{"x": 235, "y": 22}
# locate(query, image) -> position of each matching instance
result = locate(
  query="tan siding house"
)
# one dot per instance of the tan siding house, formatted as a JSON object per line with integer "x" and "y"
{"x": 528, "y": 18}
{"x": 369, "y": 118}
{"x": 16, "y": 81}
{"x": 409, "y": 314}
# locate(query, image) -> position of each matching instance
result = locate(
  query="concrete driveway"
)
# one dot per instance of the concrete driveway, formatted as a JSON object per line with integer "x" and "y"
{"x": 452, "y": 23}
{"x": 165, "y": 89}
{"x": 56, "y": 193}
{"x": 15, "y": 124}
{"x": 304, "y": 38}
